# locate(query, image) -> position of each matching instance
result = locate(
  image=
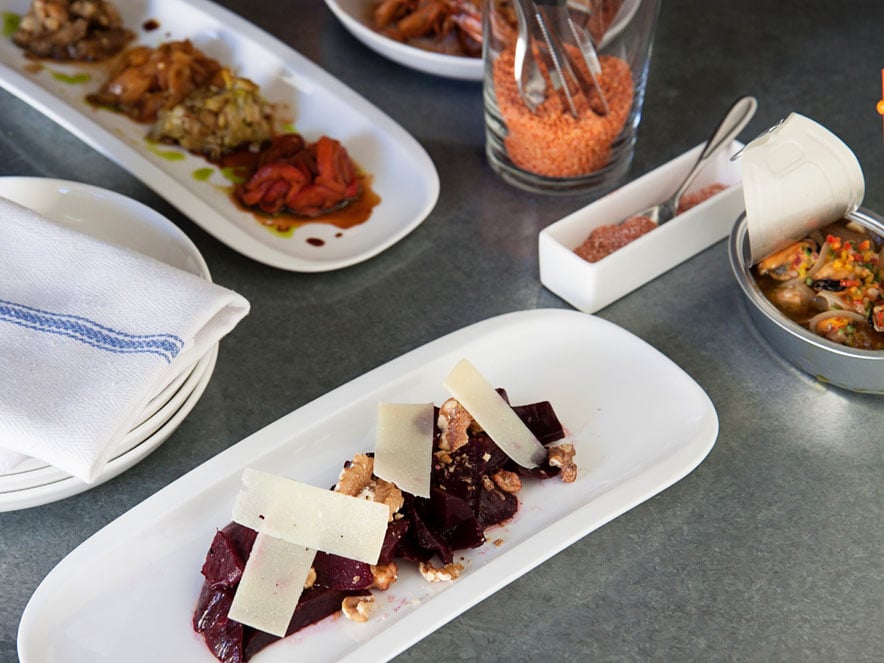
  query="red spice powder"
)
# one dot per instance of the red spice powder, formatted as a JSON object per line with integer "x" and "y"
{"x": 552, "y": 142}
{"x": 690, "y": 200}
{"x": 606, "y": 239}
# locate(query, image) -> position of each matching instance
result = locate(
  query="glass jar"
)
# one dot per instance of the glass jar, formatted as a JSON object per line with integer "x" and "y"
{"x": 541, "y": 139}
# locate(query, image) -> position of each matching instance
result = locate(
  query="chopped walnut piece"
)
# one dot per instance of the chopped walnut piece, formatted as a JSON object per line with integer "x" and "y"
{"x": 447, "y": 573}
{"x": 358, "y": 480}
{"x": 357, "y": 608}
{"x": 356, "y": 476}
{"x": 487, "y": 483}
{"x": 387, "y": 493}
{"x": 384, "y": 575}
{"x": 310, "y": 579}
{"x": 508, "y": 482}
{"x": 454, "y": 422}
{"x": 562, "y": 456}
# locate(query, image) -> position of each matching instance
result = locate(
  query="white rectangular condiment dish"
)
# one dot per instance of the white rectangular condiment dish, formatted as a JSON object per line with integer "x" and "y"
{"x": 591, "y": 286}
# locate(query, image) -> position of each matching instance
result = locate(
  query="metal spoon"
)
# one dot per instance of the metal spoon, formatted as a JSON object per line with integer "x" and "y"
{"x": 532, "y": 86}
{"x": 731, "y": 125}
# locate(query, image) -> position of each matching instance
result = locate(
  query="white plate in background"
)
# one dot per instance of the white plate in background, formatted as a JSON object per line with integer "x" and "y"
{"x": 355, "y": 16}
{"x": 140, "y": 575}
{"x": 590, "y": 286}
{"x": 402, "y": 173}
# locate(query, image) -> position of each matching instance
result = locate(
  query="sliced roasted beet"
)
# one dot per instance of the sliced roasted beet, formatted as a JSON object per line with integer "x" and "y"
{"x": 455, "y": 520}
{"x": 424, "y": 533}
{"x": 224, "y": 637}
{"x": 448, "y": 510}
{"x": 205, "y": 606}
{"x": 243, "y": 538}
{"x": 223, "y": 564}
{"x": 336, "y": 572}
{"x": 469, "y": 534}
{"x": 462, "y": 476}
{"x": 496, "y": 506}
{"x": 395, "y": 532}
{"x": 411, "y": 551}
{"x": 541, "y": 419}
{"x": 462, "y": 505}
{"x": 315, "y": 604}
{"x": 493, "y": 457}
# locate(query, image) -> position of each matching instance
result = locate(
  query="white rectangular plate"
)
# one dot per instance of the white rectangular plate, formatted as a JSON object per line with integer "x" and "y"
{"x": 590, "y": 286}
{"x": 128, "y": 592}
{"x": 403, "y": 175}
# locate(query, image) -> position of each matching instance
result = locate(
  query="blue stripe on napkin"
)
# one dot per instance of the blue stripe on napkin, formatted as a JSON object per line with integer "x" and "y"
{"x": 90, "y": 332}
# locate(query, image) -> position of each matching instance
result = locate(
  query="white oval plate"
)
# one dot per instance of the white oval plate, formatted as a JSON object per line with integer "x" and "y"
{"x": 403, "y": 175}
{"x": 355, "y": 15}
{"x": 106, "y": 602}
{"x": 125, "y": 222}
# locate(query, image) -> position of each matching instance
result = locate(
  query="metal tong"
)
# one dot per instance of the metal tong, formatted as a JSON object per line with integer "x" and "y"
{"x": 547, "y": 25}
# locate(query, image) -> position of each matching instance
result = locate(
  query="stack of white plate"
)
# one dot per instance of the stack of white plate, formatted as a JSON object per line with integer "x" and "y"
{"x": 125, "y": 222}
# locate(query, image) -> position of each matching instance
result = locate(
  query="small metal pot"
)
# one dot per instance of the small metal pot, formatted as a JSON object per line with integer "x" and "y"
{"x": 831, "y": 363}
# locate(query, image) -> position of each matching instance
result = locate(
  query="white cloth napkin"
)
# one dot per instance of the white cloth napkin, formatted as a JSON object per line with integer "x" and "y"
{"x": 89, "y": 333}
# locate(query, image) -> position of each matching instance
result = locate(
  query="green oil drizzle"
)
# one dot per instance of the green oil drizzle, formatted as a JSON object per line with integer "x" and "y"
{"x": 280, "y": 232}
{"x": 203, "y": 174}
{"x": 168, "y": 155}
{"x": 231, "y": 175}
{"x": 73, "y": 79}
{"x": 11, "y": 21}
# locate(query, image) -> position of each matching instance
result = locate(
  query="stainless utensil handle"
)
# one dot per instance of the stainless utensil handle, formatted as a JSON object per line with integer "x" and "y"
{"x": 732, "y": 124}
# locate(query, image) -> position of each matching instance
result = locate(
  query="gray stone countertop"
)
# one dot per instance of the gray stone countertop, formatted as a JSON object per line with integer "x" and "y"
{"x": 770, "y": 550}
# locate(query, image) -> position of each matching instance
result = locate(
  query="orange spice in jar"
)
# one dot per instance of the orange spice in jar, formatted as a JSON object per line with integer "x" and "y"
{"x": 551, "y": 141}
{"x": 540, "y": 141}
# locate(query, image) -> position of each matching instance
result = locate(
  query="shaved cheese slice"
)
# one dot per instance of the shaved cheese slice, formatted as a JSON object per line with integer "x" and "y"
{"x": 271, "y": 584}
{"x": 403, "y": 448}
{"x": 313, "y": 517}
{"x": 494, "y": 414}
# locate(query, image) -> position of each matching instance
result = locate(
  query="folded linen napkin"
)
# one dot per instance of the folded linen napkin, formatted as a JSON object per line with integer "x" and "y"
{"x": 89, "y": 333}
